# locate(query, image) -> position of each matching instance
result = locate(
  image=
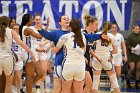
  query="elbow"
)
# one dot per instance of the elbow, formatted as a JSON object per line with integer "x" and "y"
{"x": 55, "y": 50}
{"x": 40, "y": 37}
{"x": 116, "y": 51}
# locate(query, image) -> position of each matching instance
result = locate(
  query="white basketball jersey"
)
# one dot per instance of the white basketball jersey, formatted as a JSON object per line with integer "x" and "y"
{"x": 5, "y": 47}
{"x": 16, "y": 48}
{"x": 35, "y": 41}
{"x": 118, "y": 38}
{"x": 71, "y": 50}
{"x": 103, "y": 49}
{"x": 32, "y": 42}
{"x": 26, "y": 39}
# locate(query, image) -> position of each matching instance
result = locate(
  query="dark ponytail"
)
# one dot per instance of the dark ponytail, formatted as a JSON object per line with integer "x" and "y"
{"x": 25, "y": 20}
{"x": 75, "y": 25}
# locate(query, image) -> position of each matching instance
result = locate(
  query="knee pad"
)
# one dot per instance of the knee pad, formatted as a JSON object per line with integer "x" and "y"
{"x": 96, "y": 80}
{"x": 113, "y": 81}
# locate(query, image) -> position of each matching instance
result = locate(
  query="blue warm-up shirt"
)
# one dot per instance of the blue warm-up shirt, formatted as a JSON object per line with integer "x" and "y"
{"x": 56, "y": 34}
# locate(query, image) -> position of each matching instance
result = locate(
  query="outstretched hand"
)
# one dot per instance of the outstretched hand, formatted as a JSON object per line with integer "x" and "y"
{"x": 105, "y": 37}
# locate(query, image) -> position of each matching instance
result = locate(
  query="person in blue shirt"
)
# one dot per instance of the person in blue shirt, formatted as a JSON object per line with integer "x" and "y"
{"x": 54, "y": 36}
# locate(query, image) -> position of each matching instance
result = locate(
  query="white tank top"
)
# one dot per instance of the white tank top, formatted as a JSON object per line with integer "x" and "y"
{"x": 5, "y": 47}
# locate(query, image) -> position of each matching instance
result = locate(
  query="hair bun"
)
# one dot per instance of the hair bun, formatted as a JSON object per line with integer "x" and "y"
{"x": 87, "y": 17}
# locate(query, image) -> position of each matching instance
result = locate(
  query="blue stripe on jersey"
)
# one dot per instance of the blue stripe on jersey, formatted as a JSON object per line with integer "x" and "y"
{"x": 63, "y": 67}
{"x": 57, "y": 72}
{"x": 28, "y": 41}
{"x": 74, "y": 44}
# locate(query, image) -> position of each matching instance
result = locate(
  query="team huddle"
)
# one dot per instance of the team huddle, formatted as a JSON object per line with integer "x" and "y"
{"x": 80, "y": 55}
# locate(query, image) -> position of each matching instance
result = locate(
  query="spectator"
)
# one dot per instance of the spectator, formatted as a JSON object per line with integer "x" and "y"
{"x": 134, "y": 60}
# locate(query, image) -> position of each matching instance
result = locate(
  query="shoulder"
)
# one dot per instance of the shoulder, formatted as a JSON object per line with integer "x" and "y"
{"x": 65, "y": 37}
{"x": 8, "y": 31}
{"x": 111, "y": 36}
{"x": 119, "y": 35}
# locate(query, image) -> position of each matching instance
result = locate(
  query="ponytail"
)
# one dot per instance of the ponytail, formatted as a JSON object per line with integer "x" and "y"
{"x": 105, "y": 29}
{"x": 75, "y": 25}
{"x": 4, "y": 21}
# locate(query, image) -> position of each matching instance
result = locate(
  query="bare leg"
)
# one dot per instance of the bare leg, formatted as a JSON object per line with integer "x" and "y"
{"x": 2, "y": 83}
{"x": 8, "y": 88}
{"x": 67, "y": 86}
{"x": 57, "y": 85}
{"x": 88, "y": 82}
{"x": 110, "y": 73}
{"x": 30, "y": 70}
{"x": 77, "y": 86}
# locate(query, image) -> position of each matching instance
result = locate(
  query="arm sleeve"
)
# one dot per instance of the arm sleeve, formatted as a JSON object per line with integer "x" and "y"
{"x": 47, "y": 35}
{"x": 92, "y": 37}
{"x": 63, "y": 39}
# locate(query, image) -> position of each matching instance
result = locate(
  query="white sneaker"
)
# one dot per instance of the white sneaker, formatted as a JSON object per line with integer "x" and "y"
{"x": 42, "y": 87}
{"x": 24, "y": 89}
{"x": 111, "y": 89}
{"x": 14, "y": 89}
{"x": 38, "y": 90}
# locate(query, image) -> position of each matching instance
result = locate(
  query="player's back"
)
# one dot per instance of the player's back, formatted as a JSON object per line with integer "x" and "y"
{"x": 71, "y": 50}
{"x": 102, "y": 48}
{"x": 5, "y": 47}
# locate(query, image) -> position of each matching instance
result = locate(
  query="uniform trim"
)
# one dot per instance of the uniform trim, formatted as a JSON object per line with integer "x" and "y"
{"x": 57, "y": 72}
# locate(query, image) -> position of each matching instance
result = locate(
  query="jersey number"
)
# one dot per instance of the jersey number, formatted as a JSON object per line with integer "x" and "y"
{"x": 15, "y": 48}
{"x": 103, "y": 44}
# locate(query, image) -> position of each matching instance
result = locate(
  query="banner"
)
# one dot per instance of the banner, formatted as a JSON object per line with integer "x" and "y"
{"x": 104, "y": 10}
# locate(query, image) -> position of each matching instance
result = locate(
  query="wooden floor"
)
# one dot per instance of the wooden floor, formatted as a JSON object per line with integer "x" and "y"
{"x": 104, "y": 88}
{"x": 101, "y": 91}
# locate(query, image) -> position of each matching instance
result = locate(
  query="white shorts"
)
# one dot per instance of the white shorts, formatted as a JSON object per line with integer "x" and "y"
{"x": 104, "y": 64}
{"x": 7, "y": 65}
{"x": 26, "y": 57}
{"x": 49, "y": 55}
{"x": 73, "y": 72}
{"x": 40, "y": 55}
{"x": 117, "y": 59}
{"x": 57, "y": 71}
{"x": 18, "y": 65}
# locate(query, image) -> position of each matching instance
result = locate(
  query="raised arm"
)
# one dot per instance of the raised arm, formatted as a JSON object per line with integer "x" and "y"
{"x": 46, "y": 34}
{"x": 63, "y": 39}
{"x": 29, "y": 31}
{"x": 94, "y": 37}
{"x": 47, "y": 24}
